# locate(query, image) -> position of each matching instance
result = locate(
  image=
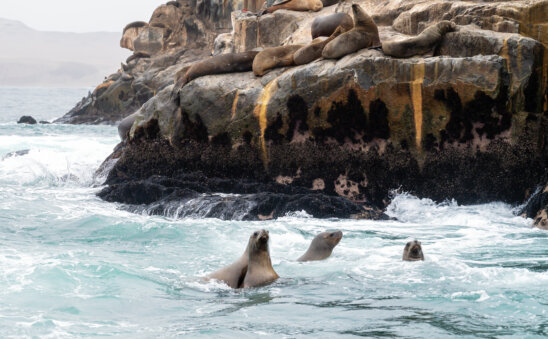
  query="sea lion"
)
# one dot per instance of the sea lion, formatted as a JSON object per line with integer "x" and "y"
{"x": 259, "y": 268}
{"x": 329, "y": 2}
{"x": 219, "y": 64}
{"x": 125, "y": 125}
{"x": 326, "y": 25}
{"x": 421, "y": 44}
{"x": 413, "y": 251}
{"x": 233, "y": 275}
{"x": 321, "y": 246}
{"x": 364, "y": 34}
{"x": 274, "y": 57}
{"x": 314, "y": 50}
{"x": 295, "y": 5}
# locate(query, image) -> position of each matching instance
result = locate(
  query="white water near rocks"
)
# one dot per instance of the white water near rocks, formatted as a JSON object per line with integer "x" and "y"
{"x": 72, "y": 265}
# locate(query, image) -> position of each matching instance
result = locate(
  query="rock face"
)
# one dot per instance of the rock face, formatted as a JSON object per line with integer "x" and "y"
{"x": 469, "y": 123}
{"x": 178, "y": 33}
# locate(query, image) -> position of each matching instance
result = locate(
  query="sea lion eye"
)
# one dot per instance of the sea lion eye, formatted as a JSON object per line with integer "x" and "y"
{"x": 332, "y": 235}
{"x": 255, "y": 233}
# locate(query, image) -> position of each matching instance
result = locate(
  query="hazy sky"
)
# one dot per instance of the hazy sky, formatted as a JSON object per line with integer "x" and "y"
{"x": 78, "y": 15}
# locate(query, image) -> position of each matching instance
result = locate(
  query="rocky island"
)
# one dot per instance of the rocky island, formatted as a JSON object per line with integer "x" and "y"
{"x": 334, "y": 137}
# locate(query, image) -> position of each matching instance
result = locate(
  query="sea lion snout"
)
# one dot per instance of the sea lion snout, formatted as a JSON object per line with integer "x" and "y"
{"x": 335, "y": 237}
{"x": 413, "y": 251}
{"x": 262, "y": 236}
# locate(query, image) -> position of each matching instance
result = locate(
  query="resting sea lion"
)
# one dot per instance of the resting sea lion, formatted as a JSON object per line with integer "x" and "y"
{"x": 233, "y": 275}
{"x": 219, "y": 64}
{"x": 322, "y": 246}
{"x": 364, "y": 34}
{"x": 420, "y": 44}
{"x": 326, "y": 25}
{"x": 413, "y": 251}
{"x": 295, "y": 5}
{"x": 259, "y": 268}
{"x": 125, "y": 125}
{"x": 313, "y": 51}
{"x": 274, "y": 57}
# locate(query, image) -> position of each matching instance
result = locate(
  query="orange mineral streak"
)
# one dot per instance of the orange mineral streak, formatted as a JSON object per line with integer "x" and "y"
{"x": 235, "y": 104}
{"x": 260, "y": 113}
{"x": 417, "y": 76}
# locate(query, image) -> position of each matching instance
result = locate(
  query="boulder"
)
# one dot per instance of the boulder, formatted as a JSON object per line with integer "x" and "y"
{"x": 27, "y": 119}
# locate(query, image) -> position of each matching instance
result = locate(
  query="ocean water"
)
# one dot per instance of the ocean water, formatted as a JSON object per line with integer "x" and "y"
{"x": 72, "y": 265}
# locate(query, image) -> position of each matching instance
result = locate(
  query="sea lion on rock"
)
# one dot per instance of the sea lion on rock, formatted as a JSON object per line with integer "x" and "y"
{"x": 421, "y": 44}
{"x": 125, "y": 125}
{"x": 326, "y": 25}
{"x": 259, "y": 268}
{"x": 313, "y": 51}
{"x": 322, "y": 246}
{"x": 274, "y": 57}
{"x": 364, "y": 34}
{"x": 233, "y": 275}
{"x": 219, "y": 64}
{"x": 295, "y": 5}
{"x": 413, "y": 251}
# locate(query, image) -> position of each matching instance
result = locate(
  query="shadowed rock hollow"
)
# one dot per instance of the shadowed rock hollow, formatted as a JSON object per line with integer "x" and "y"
{"x": 468, "y": 122}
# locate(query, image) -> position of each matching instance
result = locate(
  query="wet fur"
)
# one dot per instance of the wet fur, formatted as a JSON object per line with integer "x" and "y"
{"x": 259, "y": 269}
{"x": 326, "y": 25}
{"x": 322, "y": 246}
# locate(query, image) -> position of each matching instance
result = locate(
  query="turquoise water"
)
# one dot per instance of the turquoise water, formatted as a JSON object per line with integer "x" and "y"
{"x": 72, "y": 265}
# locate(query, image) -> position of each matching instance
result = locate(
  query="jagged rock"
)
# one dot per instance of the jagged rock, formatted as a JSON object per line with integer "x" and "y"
{"x": 131, "y": 32}
{"x": 537, "y": 208}
{"x": 27, "y": 119}
{"x": 468, "y": 123}
{"x": 150, "y": 40}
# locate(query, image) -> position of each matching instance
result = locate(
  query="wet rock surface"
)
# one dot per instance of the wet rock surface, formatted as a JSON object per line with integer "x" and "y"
{"x": 468, "y": 121}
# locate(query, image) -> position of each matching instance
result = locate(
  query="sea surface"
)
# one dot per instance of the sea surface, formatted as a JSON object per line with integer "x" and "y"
{"x": 74, "y": 266}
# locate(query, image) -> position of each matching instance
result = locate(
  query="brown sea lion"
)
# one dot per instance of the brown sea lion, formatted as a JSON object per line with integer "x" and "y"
{"x": 364, "y": 34}
{"x": 259, "y": 268}
{"x": 274, "y": 57}
{"x": 219, "y": 64}
{"x": 295, "y": 5}
{"x": 322, "y": 246}
{"x": 413, "y": 251}
{"x": 421, "y": 44}
{"x": 326, "y": 25}
{"x": 233, "y": 275}
{"x": 314, "y": 50}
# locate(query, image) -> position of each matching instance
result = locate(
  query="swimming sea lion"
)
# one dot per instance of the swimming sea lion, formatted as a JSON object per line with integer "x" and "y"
{"x": 274, "y": 57}
{"x": 259, "y": 268}
{"x": 233, "y": 275}
{"x": 322, "y": 246}
{"x": 326, "y": 25}
{"x": 219, "y": 64}
{"x": 364, "y": 34}
{"x": 423, "y": 43}
{"x": 413, "y": 251}
{"x": 295, "y": 5}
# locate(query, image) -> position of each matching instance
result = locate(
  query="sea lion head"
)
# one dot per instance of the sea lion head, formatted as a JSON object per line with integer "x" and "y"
{"x": 327, "y": 240}
{"x": 361, "y": 18}
{"x": 445, "y": 26}
{"x": 413, "y": 251}
{"x": 317, "y": 5}
{"x": 258, "y": 241}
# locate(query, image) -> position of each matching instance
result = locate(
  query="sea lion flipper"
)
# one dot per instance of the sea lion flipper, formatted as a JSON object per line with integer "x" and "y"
{"x": 242, "y": 277}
